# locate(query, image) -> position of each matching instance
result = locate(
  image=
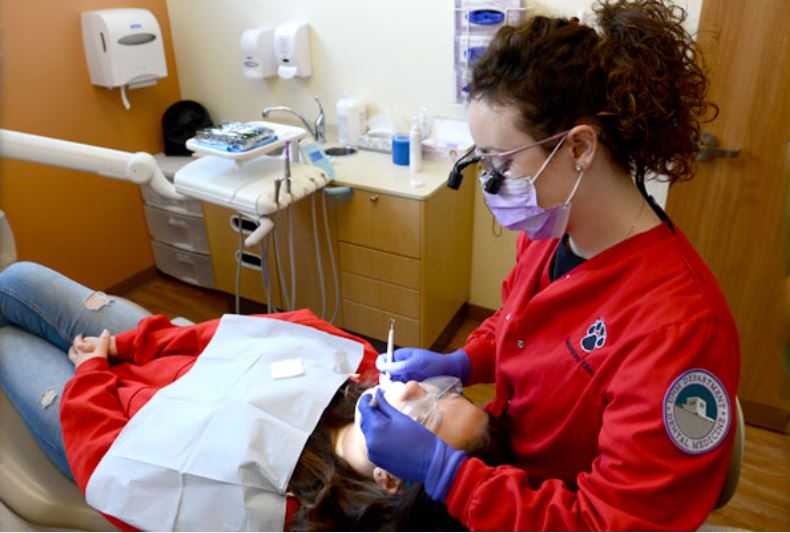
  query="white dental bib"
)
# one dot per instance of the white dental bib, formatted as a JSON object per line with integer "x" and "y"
{"x": 215, "y": 449}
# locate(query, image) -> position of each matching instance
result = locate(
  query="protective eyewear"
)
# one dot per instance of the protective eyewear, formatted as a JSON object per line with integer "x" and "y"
{"x": 424, "y": 409}
{"x": 493, "y": 165}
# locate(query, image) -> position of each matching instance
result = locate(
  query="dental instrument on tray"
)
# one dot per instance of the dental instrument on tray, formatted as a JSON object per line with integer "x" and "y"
{"x": 235, "y": 136}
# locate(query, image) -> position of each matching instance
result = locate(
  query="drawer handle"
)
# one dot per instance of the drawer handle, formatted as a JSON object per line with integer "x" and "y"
{"x": 177, "y": 223}
{"x": 374, "y": 198}
{"x": 185, "y": 259}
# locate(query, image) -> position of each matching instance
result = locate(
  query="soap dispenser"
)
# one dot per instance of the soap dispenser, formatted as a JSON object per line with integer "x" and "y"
{"x": 292, "y": 49}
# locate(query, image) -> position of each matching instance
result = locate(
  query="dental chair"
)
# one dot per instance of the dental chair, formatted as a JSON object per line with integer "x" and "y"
{"x": 35, "y": 496}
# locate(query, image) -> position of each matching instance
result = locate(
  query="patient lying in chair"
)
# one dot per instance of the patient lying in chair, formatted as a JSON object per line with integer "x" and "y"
{"x": 120, "y": 422}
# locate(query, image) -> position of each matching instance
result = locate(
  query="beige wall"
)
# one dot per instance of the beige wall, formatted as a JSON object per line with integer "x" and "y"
{"x": 88, "y": 227}
{"x": 396, "y": 54}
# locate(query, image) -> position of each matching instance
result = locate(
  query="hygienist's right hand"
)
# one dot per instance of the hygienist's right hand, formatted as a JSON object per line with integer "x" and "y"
{"x": 418, "y": 364}
{"x": 85, "y": 348}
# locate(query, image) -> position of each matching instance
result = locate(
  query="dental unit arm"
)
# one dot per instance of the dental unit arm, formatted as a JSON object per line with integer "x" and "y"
{"x": 137, "y": 168}
{"x": 140, "y": 167}
{"x": 244, "y": 182}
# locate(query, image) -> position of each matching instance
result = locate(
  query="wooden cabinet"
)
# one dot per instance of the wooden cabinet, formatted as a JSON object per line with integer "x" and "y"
{"x": 404, "y": 259}
{"x": 224, "y": 244}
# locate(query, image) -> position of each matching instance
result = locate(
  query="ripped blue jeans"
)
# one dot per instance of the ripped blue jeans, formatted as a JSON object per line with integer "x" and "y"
{"x": 41, "y": 311}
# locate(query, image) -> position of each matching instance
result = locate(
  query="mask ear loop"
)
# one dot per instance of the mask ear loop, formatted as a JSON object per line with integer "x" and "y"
{"x": 575, "y": 187}
{"x": 548, "y": 159}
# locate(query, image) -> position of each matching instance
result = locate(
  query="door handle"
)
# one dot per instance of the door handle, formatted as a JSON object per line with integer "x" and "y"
{"x": 709, "y": 148}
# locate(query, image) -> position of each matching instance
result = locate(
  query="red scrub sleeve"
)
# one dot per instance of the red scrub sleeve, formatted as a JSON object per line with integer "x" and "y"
{"x": 91, "y": 416}
{"x": 155, "y": 336}
{"x": 481, "y": 344}
{"x": 640, "y": 479}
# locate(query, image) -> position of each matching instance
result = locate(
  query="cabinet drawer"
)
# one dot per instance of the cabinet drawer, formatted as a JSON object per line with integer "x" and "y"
{"x": 376, "y": 323}
{"x": 379, "y": 265}
{"x": 187, "y": 266}
{"x": 188, "y": 207}
{"x": 381, "y": 221}
{"x": 385, "y": 296}
{"x": 183, "y": 231}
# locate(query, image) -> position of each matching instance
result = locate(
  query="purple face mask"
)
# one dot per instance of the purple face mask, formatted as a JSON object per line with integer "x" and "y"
{"x": 516, "y": 206}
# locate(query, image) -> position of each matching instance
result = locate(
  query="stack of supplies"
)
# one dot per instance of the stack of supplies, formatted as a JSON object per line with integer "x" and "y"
{"x": 235, "y": 136}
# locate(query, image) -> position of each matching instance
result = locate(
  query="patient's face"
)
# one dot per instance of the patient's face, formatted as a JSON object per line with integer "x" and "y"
{"x": 453, "y": 418}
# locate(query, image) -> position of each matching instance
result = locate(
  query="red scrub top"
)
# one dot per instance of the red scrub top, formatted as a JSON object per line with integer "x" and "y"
{"x": 617, "y": 385}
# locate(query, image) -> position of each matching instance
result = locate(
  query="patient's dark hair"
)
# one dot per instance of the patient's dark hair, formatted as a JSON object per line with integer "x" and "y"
{"x": 331, "y": 495}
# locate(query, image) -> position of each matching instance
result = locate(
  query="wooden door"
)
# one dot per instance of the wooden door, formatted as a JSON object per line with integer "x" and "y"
{"x": 733, "y": 211}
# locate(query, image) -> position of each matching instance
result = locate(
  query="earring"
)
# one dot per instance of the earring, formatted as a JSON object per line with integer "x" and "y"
{"x": 579, "y": 167}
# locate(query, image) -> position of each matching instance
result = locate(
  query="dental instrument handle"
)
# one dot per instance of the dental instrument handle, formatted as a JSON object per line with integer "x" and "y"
{"x": 287, "y": 153}
{"x": 390, "y": 344}
{"x": 278, "y": 182}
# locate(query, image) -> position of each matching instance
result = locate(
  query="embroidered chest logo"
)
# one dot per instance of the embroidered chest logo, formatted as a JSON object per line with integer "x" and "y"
{"x": 595, "y": 338}
{"x": 697, "y": 412}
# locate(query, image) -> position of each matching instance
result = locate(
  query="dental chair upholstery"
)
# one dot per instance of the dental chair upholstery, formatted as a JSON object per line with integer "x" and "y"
{"x": 35, "y": 494}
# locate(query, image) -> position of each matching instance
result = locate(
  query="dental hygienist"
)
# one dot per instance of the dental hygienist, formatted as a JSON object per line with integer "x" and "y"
{"x": 614, "y": 355}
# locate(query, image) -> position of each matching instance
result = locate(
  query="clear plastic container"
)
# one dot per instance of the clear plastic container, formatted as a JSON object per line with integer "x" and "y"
{"x": 351, "y": 120}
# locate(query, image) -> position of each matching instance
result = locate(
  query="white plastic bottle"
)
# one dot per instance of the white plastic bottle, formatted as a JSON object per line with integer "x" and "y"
{"x": 350, "y": 120}
{"x": 415, "y": 148}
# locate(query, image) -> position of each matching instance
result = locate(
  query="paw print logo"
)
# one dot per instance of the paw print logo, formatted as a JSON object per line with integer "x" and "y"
{"x": 596, "y": 336}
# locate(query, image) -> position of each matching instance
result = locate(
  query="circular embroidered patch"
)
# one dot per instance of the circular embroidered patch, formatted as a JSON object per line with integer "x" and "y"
{"x": 697, "y": 413}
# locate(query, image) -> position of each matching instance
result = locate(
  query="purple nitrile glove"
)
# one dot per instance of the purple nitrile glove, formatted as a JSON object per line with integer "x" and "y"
{"x": 418, "y": 364}
{"x": 407, "y": 450}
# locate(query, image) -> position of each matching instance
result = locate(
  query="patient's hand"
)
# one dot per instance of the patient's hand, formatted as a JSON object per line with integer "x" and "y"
{"x": 85, "y": 348}
{"x": 88, "y": 344}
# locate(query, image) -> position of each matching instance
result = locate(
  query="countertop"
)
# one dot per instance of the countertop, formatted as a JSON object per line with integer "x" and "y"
{"x": 375, "y": 171}
{"x": 372, "y": 171}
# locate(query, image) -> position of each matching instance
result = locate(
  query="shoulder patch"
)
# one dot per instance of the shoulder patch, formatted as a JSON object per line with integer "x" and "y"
{"x": 697, "y": 412}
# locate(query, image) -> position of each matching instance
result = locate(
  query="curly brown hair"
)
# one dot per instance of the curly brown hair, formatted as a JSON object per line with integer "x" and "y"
{"x": 332, "y": 496}
{"x": 639, "y": 80}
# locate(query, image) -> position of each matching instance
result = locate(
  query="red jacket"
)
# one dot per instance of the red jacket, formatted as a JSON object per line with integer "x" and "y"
{"x": 103, "y": 395}
{"x": 585, "y": 370}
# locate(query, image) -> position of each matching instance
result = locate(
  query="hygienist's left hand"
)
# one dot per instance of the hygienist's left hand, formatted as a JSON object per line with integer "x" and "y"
{"x": 406, "y": 449}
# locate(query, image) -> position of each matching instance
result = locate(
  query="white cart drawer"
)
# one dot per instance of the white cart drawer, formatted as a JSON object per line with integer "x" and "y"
{"x": 187, "y": 207}
{"x": 182, "y": 231}
{"x": 190, "y": 267}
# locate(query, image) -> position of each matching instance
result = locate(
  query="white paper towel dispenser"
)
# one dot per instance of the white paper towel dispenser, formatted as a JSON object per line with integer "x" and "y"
{"x": 292, "y": 49}
{"x": 123, "y": 47}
